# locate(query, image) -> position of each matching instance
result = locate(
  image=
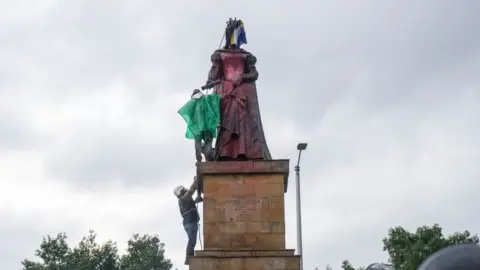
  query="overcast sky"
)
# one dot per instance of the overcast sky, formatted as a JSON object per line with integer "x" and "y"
{"x": 386, "y": 93}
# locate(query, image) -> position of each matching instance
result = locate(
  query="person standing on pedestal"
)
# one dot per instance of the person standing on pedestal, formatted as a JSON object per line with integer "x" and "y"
{"x": 189, "y": 213}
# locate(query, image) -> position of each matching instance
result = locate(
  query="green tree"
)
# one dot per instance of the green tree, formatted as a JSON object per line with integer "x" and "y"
{"x": 53, "y": 252}
{"x": 90, "y": 255}
{"x": 346, "y": 265}
{"x": 408, "y": 250}
{"x": 143, "y": 252}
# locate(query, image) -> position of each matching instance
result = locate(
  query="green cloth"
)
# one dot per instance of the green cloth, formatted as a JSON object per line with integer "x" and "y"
{"x": 202, "y": 114}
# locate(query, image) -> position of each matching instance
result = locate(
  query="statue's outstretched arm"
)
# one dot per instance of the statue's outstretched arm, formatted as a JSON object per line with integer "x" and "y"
{"x": 251, "y": 73}
{"x": 216, "y": 69}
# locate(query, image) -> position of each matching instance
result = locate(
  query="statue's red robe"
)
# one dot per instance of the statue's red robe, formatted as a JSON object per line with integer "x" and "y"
{"x": 240, "y": 134}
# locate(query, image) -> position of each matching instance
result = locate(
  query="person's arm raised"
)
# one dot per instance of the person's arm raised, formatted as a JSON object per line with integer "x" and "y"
{"x": 198, "y": 199}
{"x": 188, "y": 195}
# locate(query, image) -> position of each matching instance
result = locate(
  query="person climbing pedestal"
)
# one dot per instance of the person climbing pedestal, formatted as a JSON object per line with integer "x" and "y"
{"x": 244, "y": 216}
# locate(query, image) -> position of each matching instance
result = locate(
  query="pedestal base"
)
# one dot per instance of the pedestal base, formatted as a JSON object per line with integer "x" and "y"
{"x": 244, "y": 216}
{"x": 245, "y": 260}
{"x": 243, "y": 206}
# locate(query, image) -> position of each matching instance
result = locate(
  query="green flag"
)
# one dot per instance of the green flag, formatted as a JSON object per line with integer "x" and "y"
{"x": 201, "y": 114}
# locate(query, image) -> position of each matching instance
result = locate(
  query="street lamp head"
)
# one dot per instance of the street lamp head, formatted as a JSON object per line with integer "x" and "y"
{"x": 302, "y": 146}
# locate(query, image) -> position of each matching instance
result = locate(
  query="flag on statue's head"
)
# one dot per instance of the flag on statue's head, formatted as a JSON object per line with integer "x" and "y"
{"x": 235, "y": 33}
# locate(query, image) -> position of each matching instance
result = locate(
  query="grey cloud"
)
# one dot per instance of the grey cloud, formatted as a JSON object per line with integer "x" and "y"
{"x": 15, "y": 134}
{"x": 343, "y": 240}
{"x": 21, "y": 235}
{"x": 84, "y": 45}
{"x": 101, "y": 160}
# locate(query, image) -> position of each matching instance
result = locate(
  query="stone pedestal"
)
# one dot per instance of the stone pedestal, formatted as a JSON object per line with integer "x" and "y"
{"x": 244, "y": 216}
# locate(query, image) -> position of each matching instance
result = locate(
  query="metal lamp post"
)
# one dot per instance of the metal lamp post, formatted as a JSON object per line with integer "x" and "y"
{"x": 300, "y": 147}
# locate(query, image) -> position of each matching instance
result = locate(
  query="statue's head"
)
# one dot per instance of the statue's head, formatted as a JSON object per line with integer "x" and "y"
{"x": 235, "y": 35}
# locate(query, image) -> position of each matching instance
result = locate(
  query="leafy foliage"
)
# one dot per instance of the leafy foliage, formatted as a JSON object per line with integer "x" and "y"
{"x": 408, "y": 250}
{"x": 143, "y": 252}
{"x": 346, "y": 265}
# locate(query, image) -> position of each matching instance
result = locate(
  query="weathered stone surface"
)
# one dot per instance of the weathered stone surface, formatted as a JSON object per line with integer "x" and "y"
{"x": 269, "y": 167}
{"x": 245, "y": 253}
{"x": 237, "y": 209}
{"x": 245, "y": 198}
{"x": 245, "y": 263}
{"x": 272, "y": 241}
{"x": 226, "y": 186}
{"x": 244, "y": 217}
{"x": 240, "y": 211}
{"x": 239, "y": 167}
{"x": 243, "y": 227}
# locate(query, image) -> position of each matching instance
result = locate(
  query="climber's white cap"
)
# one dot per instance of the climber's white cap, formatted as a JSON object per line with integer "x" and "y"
{"x": 178, "y": 190}
{"x": 197, "y": 95}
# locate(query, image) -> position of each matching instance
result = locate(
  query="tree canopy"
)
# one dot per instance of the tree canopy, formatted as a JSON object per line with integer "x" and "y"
{"x": 407, "y": 250}
{"x": 143, "y": 252}
{"x": 346, "y": 265}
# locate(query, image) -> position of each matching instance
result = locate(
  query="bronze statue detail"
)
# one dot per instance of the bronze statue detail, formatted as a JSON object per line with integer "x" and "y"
{"x": 202, "y": 115}
{"x": 203, "y": 142}
{"x": 233, "y": 75}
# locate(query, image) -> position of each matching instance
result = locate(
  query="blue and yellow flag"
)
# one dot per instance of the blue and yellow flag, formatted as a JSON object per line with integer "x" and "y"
{"x": 239, "y": 37}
